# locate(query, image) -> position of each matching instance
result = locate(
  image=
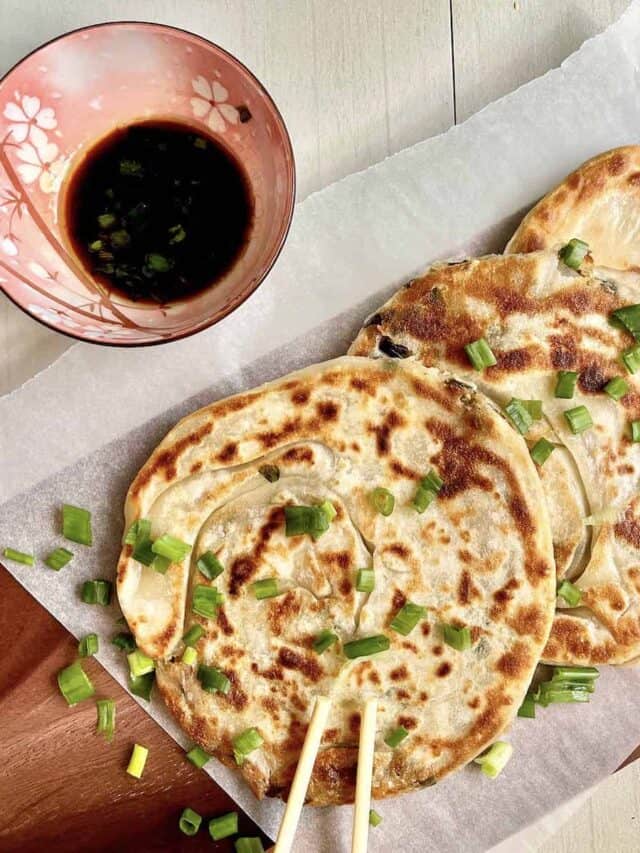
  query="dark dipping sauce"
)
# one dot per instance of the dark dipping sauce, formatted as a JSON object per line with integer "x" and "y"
{"x": 157, "y": 211}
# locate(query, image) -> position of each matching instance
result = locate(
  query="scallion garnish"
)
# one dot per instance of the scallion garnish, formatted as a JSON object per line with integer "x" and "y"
{"x": 528, "y": 707}
{"x": 137, "y": 761}
{"x": 271, "y": 473}
{"x": 457, "y": 638}
{"x": 579, "y": 419}
{"x": 313, "y": 520}
{"x": 19, "y": 556}
{"x": 366, "y": 646}
{"x": 569, "y": 592}
{"x": 76, "y": 524}
{"x": 140, "y": 664}
{"x": 209, "y": 565}
{"x": 407, "y": 618}
{"x": 534, "y": 407}
{"x": 120, "y": 239}
{"x": 74, "y": 684}
{"x": 96, "y": 592}
{"x": 58, "y": 559}
{"x": 374, "y": 818}
{"x": 266, "y": 588}
{"x": 131, "y": 168}
{"x": 629, "y": 317}
{"x": 575, "y": 673}
{"x": 171, "y": 548}
{"x": 212, "y": 679}
{"x": 480, "y": 354}
{"x": 106, "y": 718}
{"x": 383, "y": 501}
{"x": 206, "y": 600}
{"x": 192, "y": 636}
{"x": 635, "y": 431}
{"x": 248, "y": 845}
{"x": 396, "y": 736}
{"x": 559, "y": 693}
{"x": 574, "y": 253}
{"x": 106, "y": 220}
{"x": 223, "y": 826}
{"x": 616, "y": 388}
{"x": 189, "y": 822}
{"x": 566, "y": 384}
{"x": 541, "y": 451}
{"x": 139, "y": 535}
{"x": 189, "y": 656}
{"x": 160, "y": 564}
{"x": 427, "y": 491}
{"x": 494, "y": 760}
{"x": 365, "y": 580}
{"x": 177, "y": 233}
{"x": 198, "y": 756}
{"x": 157, "y": 262}
{"x": 246, "y": 742}
{"x": 142, "y": 685}
{"x": 323, "y": 641}
{"x": 124, "y": 641}
{"x": 631, "y": 358}
{"x": 88, "y": 646}
{"x": 519, "y": 415}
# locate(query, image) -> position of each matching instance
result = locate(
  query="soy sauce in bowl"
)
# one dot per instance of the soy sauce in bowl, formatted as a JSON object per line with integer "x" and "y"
{"x": 158, "y": 211}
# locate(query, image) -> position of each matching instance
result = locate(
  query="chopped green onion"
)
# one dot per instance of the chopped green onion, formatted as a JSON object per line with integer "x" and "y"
{"x": 574, "y": 253}
{"x": 132, "y": 532}
{"x": 58, "y": 559}
{"x": 106, "y": 717}
{"x": 74, "y": 684}
{"x": 213, "y": 680}
{"x": 432, "y": 481}
{"x": 19, "y": 556}
{"x": 494, "y": 760}
{"x": 616, "y": 388}
{"x": 88, "y": 646}
{"x": 534, "y": 407}
{"x": 365, "y": 580}
{"x": 407, "y": 618}
{"x": 189, "y": 656}
{"x": 189, "y": 822}
{"x": 396, "y": 736}
{"x": 457, "y": 638}
{"x": 199, "y": 142}
{"x": 575, "y": 673}
{"x": 120, "y": 239}
{"x": 570, "y": 593}
{"x": 635, "y": 431}
{"x": 223, "y": 826}
{"x": 106, "y": 220}
{"x": 142, "y": 685}
{"x": 248, "y": 845}
{"x": 629, "y": 317}
{"x": 130, "y": 168}
{"x": 374, "y": 818}
{"x": 329, "y": 510}
{"x": 95, "y": 246}
{"x": 566, "y": 384}
{"x": 137, "y": 761}
{"x": 246, "y": 742}
{"x": 305, "y": 519}
{"x": 427, "y": 491}
{"x": 140, "y": 664}
{"x": 209, "y": 565}
{"x": 160, "y": 564}
{"x": 266, "y": 588}
{"x": 124, "y": 641}
{"x": 480, "y": 354}
{"x": 323, "y": 641}
{"x": 171, "y": 548}
{"x": 560, "y": 695}
{"x": 541, "y": 451}
{"x": 158, "y": 263}
{"x": 579, "y": 419}
{"x": 96, "y": 592}
{"x": 76, "y": 524}
{"x": 366, "y": 646}
{"x": 271, "y": 473}
{"x": 631, "y": 358}
{"x": 528, "y": 707}
{"x": 192, "y": 636}
{"x": 519, "y": 415}
{"x": 139, "y": 535}
{"x": 198, "y": 756}
{"x": 206, "y": 600}
{"x": 383, "y": 501}
{"x": 177, "y": 234}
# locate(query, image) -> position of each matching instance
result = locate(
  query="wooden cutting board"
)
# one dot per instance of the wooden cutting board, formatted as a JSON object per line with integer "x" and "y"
{"x": 62, "y": 786}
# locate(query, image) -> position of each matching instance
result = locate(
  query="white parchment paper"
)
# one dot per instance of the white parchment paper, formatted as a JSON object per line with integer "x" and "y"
{"x": 79, "y": 431}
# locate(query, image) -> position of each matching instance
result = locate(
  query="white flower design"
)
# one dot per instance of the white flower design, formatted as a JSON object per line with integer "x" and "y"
{"x": 41, "y": 164}
{"x": 51, "y": 316}
{"x": 210, "y": 104}
{"x": 30, "y": 120}
{"x": 8, "y": 246}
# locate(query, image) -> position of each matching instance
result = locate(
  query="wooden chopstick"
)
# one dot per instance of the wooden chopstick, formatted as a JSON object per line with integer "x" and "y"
{"x": 366, "y": 750}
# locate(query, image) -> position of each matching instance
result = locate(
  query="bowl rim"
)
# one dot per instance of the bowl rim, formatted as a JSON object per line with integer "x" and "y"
{"x": 237, "y": 301}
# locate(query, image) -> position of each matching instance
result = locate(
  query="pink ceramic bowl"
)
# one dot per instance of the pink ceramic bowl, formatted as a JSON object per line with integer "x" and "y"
{"x": 59, "y": 101}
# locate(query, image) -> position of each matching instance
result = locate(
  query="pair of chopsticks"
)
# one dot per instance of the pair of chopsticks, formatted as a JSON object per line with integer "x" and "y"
{"x": 366, "y": 748}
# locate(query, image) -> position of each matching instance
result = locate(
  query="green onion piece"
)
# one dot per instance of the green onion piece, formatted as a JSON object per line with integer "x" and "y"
{"x": 266, "y": 588}
{"x": 106, "y": 718}
{"x": 88, "y": 646}
{"x": 120, "y": 239}
{"x": 198, "y": 756}
{"x": 192, "y": 636}
{"x": 19, "y": 556}
{"x": 366, "y": 646}
{"x": 629, "y": 317}
{"x": 374, "y": 818}
{"x": 74, "y": 684}
{"x": 177, "y": 233}
{"x": 494, "y": 760}
{"x": 574, "y": 253}
{"x": 95, "y": 246}
{"x": 631, "y": 358}
{"x": 616, "y": 388}
{"x": 549, "y": 696}
{"x": 106, "y": 220}
{"x": 457, "y": 638}
{"x": 124, "y": 641}
{"x": 248, "y": 845}
{"x": 396, "y": 736}
{"x": 171, "y": 548}
{"x": 131, "y": 168}
{"x": 213, "y": 680}
{"x": 141, "y": 532}
{"x": 160, "y": 564}
{"x": 189, "y": 656}
{"x": 132, "y": 532}
{"x": 189, "y": 822}
{"x": 96, "y": 592}
{"x": 528, "y": 707}
{"x": 422, "y": 499}
{"x": 570, "y": 593}
{"x": 566, "y": 384}
{"x": 270, "y": 473}
{"x": 76, "y": 524}
{"x": 305, "y": 519}
{"x": 209, "y": 565}
{"x": 158, "y": 263}
{"x": 519, "y": 415}
{"x": 556, "y": 684}
{"x": 140, "y": 664}
{"x": 323, "y": 641}
{"x": 480, "y": 354}
{"x": 541, "y": 451}
{"x": 365, "y": 580}
{"x": 199, "y": 142}
{"x": 575, "y": 673}
{"x": 58, "y": 559}
{"x": 223, "y": 826}
{"x": 579, "y": 419}
{"x": 142, "y": 685}
{"x": 383, "y": 501}
{"x": 137, "y": 761}
{"x": 329, "y": 510}
{"x": 534, "y": 407}
{"x": 407, "y": 618}
{"x": 206, "y": 600}
{"x": 246, "y": 742}
{"x": 635, "y": 431}
{"x": 432, "y": 481}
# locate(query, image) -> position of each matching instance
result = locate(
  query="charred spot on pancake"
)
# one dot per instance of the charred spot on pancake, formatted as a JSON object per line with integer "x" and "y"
{"x": 399, "y": 550}
{"x": 634, "y": 179}
{"x": 329, "y": 735}
{"x": 474, "y": 703}
{"x": 341, "y": 559}
{"x": 273, "y": 437}
{"x": 236, "y": 695}
{"x": 425, "y": 628}
{"x": 376, "y": 319}
{"x": 399, "y": 600}
{"x": 242, "y": 570}
{"x": 514, "y": 663}
{"x": 300, "y": 397}
{"x": 564, "y": 352}
{"x": 467, "y": 589}
{"x": 345, "y": 586}
{"x": 444, "y": 669}
{"x": 228, "y": 452}
{"x": 403, "y": 694}
{"x": 165, "y": 461}
{"x": 617, "y": 163}
{"x": 223, "y": 622}
{"x": 400, "y": 673}
{"x": 502, "y": 598}
{"x": 513, "y": 360}
{"x": 383, "y": 431}
{"x": 437, "y": 650}
{"x": 528, "y": 620}
{"x": 423, "y": 696}
{"x": 373, "y": 677}
{"x": 409, "y": 723}
{"x": 409, "y": 646}
{"x": 359, "y": 383}
{"x": 304, "y": 664}
{"x": 354, "y": 723}
{"x": 195, "y": 467}
{"x": 592, "y": 380}
{"x": 281, "y": 611}
{"x": 328, "y": 411}
{"x": 404, "y": 471}
{"x": 298, "y": 454}
{"x": 394, "y": 350}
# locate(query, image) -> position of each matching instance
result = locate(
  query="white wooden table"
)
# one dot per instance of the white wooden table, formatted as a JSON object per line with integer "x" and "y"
{"x": 357, "y": 80}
